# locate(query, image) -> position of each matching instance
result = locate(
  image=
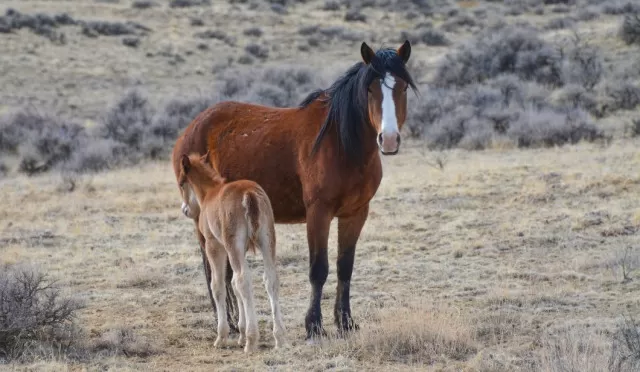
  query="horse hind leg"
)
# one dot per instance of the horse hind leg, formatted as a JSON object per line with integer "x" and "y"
{"x": 241, "y": 313}
{"x": 217, "y": 260}
{"x": 237, "y": 246}
{"x": 267, "y": 242}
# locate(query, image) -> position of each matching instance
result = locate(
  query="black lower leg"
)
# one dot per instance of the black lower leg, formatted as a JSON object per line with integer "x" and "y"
{"x": 317, "y": 276}
{"x": 342, "y": 309}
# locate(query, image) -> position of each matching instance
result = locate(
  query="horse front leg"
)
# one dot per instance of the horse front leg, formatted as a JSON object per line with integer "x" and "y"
{"x": 318, "y": 222}
{"x": 349, "y": 229}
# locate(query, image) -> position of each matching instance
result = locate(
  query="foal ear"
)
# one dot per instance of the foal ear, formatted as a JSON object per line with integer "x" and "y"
{"x": 405, "y": 51}
{"x": 186, "y": 163}
{"x": 367, "y": 53}
{"x": 205, "y": 158}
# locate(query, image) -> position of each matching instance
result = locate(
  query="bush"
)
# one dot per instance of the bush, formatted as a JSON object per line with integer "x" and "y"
{"x": 143, "y": 4}
{"x": 39, "y": 141}
{"x": 40, "y": 24}
{"x": 427, "y": 36}
{"x": 188, "y": 3}
{"x": 508, "y": 50}
{"x": 630, "y": 30}
{"x": 257, "y": 51}
{"x": 583, "y": 65}
{"x": 253, "y": 31}
{"x": 355, "y": 16}
{"x": 33, "y": 314}
{"x": 624, "y": 95}
{"x": 505, "y": 109}
{"x": 625, "y": 354}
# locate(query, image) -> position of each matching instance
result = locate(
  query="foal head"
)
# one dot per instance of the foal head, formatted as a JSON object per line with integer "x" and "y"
{"x": 196, "y": 176}
{"x": 387, "y": 93}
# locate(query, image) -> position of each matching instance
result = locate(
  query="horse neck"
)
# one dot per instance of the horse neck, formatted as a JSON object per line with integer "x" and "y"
{"x": 204, "y": 185}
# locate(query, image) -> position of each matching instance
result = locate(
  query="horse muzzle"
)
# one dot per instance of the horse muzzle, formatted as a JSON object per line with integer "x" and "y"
{"x": 389, "y": 144}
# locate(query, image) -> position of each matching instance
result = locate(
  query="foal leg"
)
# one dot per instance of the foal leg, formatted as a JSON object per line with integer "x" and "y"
{"x": 237, "y": 246}
{"x": 318, "y": 223}
{"x": 217, "y": 259}
{"x": 271, "y": 282}
{"x": 241, "y": 313}
{"x": 228, "y": 284}
{"x": 348, "y": 233}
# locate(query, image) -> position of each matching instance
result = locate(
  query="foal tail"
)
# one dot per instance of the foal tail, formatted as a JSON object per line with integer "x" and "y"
{"x": 251, "y": 204}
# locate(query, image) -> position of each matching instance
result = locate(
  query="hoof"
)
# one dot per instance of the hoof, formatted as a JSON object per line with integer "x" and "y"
{"x": 219, "y": 343}
{"x": 250, "y": 348}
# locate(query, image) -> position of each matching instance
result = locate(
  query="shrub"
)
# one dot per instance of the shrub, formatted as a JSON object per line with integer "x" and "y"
{"x": 40, "y": 141}
{"x": 132, "y": 42}
{"x": 463, "y": 20}
{"x": 127, "y": 120}
{"x": 583, "y": 65}
{"x": 620, "y": 7}
{"x": 624, "y": 95}
{"x": 427, "y": 36}
{"x": 509, "y": 50}
{"x": 253, "y": 31}
{"x": 330, "y": 5}
{"x": 560, "y": 23}
{"x": 33, "y": 314}
{"x": 630, "y": 30}
{"x": 625, "y": 354}
{"x": 40, "y": 24}
{"x": 188, "y": 3}
{"x": 257, "y": 51}
{"x": 355, "y": 16}
{"x": 535, "y": 128}
{"x": 143, "y": 4}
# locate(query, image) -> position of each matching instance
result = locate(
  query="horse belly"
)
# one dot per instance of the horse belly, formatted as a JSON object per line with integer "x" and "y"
{"x": 281, "y": 184}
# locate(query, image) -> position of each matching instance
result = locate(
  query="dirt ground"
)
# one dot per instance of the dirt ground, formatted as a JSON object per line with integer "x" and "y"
{"x": 492, "y": 262}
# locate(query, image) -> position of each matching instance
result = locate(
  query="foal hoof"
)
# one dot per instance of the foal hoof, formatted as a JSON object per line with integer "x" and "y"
{"x": 219, "y": 343}
{"x": 250, "y": 348}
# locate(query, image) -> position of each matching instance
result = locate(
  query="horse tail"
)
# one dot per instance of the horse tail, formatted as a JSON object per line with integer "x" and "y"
{"x": 251, "y": 204}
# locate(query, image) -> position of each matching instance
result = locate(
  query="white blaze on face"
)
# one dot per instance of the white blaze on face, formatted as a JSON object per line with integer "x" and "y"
{"x": 389, "y": 132}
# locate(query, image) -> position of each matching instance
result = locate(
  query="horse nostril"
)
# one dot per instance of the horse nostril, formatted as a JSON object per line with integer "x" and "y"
{"x": 380, "y": 138}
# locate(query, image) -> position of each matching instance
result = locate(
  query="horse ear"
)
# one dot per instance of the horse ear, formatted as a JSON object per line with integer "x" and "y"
{"x": 205, "y": 158}
{"x": 367, "y": 53}
{"x": 186, "y": 164}
{"x": 405, "y": 51}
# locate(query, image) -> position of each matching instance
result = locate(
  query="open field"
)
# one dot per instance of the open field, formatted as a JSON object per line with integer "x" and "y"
{"x": 501, "y": 252}
{"x": 524, "y": 256}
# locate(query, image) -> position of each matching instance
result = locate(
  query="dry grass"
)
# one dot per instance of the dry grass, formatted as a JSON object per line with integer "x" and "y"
{"x": 414, "y": 336}
{"x": 477, "y": 266}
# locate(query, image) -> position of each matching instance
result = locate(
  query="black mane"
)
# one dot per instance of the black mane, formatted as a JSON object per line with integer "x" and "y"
{"x": 348, "y": 102}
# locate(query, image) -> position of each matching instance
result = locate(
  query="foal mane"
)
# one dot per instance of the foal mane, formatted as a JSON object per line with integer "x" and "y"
{"x": 205, "y": 168}
{"x": 348, "y": 102}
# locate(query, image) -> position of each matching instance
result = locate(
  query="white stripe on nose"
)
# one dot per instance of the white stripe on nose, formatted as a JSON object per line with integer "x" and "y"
{"x": 389, "y": 119}
{"x": 389, "y": 136}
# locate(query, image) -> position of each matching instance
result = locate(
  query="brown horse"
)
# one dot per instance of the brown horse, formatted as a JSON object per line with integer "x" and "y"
{"x": 234, "y": 217}
{"x": 317, "y": 161}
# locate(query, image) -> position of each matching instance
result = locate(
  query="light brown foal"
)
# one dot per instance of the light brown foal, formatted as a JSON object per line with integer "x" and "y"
{"x": 234, "y": 217}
